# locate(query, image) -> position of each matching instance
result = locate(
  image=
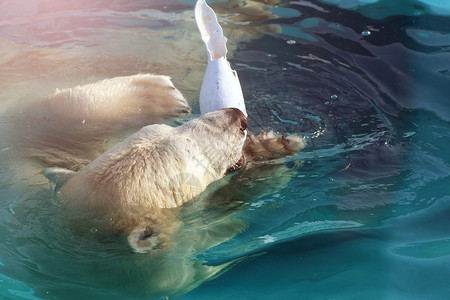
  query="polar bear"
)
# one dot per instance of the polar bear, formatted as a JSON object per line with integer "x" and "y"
{"x": 156, "y": 168}
{"x": 161, "y": 167}
{"x": 136, "y": 186}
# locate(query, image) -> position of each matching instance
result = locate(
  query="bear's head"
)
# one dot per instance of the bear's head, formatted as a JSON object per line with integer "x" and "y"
{"x": 221, "y": 136}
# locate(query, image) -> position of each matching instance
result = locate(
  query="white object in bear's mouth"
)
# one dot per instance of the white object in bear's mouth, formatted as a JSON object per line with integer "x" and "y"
{"x": 221, "y": 87}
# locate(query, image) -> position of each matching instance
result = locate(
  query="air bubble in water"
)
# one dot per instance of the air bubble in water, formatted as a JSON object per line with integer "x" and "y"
{"x": 94, "y": 230}
{"x": 334, "y": 97}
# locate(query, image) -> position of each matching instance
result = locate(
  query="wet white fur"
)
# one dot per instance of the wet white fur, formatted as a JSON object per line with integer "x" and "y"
{"x": 158, "y": 167}
{"x": 118, "y": 98}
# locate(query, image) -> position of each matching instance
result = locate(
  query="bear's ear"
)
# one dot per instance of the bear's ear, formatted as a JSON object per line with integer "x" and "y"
{"x": 142, "y": 239}
{"x": 58, "y": 176}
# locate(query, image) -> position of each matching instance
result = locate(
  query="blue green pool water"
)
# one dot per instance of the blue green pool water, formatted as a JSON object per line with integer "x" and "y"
{"x": 361, "y": 213}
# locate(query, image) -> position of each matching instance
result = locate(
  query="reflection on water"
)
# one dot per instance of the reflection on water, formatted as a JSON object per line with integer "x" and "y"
{"x": 359, "y": 211}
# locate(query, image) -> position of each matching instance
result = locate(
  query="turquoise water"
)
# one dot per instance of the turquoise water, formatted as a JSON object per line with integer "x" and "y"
{"x": 361, "y": 213}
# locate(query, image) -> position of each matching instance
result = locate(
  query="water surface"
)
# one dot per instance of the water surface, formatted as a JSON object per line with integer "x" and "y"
{"x": 361, "y": 212}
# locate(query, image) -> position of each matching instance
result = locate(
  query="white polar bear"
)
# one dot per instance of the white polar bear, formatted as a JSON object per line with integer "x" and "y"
{"x": 135, "y": 186}
{"x": 161, "y": 167}
{"x": 156, "y": 168}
